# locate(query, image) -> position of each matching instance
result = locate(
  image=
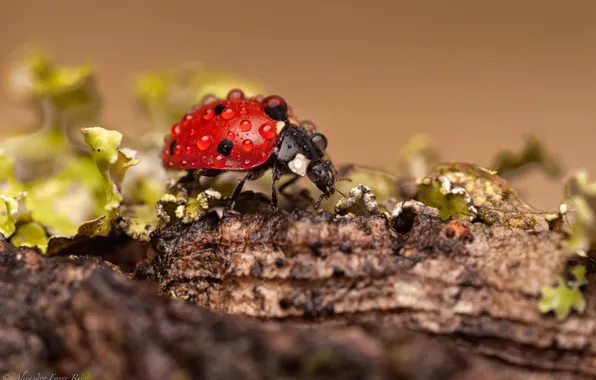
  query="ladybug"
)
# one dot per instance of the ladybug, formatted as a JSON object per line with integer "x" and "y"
{"x": 249, "y": 134}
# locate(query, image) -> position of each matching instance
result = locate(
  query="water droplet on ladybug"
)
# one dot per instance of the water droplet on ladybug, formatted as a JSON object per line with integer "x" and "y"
{"x": 187, "y": 119}
{"x": 204, "y": 142}
{"x": 275, "y": 107}
{"x": 228, "y": 113}
{"x": 170, "y": 163}
{"x": 231, "y": 135}
{"x": 209, "y": 114}
{"x": 177, "y": 150}
{"x": 243, "y": 111}
{"x": 247, "y": 145}
{"x": 219, "y": 161}
{"x": 235, "y": 94}
{"x": 188, "y": 150}
{"x": 176, "y": 129}
{"x": 267, "y": 131}
{"x": 192, "y": 131}
{"x": 184, "y": 162}
{"x": 208, "y": 99}
{"x": 246, "y": 162}
{"x": 245, "y": 125}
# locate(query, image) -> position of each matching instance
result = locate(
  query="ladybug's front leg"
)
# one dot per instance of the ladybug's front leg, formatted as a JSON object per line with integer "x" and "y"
{"x": 276, "y": 175}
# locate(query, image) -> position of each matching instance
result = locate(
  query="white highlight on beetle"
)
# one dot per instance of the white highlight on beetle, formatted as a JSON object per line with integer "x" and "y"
{"x": 299, "y": 164}
{"x": 279, "y": 126}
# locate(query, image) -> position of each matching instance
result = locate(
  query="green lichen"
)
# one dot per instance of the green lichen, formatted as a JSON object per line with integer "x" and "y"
{"x": 111, "y": 162}
{"x": 534, "y": 154}
{"x": 30, "y": 234}
{"x": 417, "y": 157}
{"x": 565, "y": 296}
{"x": 495, "y": 201}
{"x": 452, "y": 202}
{"x": 179, "y": 206}
{"x": 580, "y": 204}
{"x": 174, "y": 296}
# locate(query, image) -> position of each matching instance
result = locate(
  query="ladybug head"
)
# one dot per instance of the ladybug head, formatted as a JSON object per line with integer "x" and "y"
{"x": 322, "y": 174}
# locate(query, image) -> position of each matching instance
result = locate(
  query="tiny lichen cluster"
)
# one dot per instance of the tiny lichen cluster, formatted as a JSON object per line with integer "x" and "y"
{"x": 68, "y": 179}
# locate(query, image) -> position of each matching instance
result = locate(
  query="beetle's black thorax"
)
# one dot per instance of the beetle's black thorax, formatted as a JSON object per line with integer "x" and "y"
{"x": 294, "y": 140}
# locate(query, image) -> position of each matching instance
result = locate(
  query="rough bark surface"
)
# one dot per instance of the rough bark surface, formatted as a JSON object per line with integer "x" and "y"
{"x": 468, "y": 284}
{"x": 274, "y": 295}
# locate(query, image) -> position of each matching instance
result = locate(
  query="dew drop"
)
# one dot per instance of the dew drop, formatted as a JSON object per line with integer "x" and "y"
{"x": 235, "y": 94}
{"x": 246, "y": 162}
{"x": 184, "y": 162}
{"x": 247, "y": 145}
{"x": 204, "y": 142}
{"x": 228, "y": 113}
{"x": 267, "y": 131}
{"x": 231, "y": 135}
{"x": 192, "y": 131}
{"x": 176, "y": 129}
{"x": 188, "y": 150}
{"x": 208, "y": 99}
{"x": 219, "y": 161}
{"x": 178, "y": 150}
{"x": 208, "y": 115}
{"x": 171, "y": 163}
{"x": 245, "y": 126}
{"x": 243, "y": 111}
{"x": 187, "y": 119}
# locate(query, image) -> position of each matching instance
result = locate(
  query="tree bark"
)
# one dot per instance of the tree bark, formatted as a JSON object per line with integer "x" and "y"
{"x": 276, "y": 295}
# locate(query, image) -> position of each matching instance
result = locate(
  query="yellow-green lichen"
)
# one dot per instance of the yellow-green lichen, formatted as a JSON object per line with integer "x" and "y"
{"x": 565, "y": 296}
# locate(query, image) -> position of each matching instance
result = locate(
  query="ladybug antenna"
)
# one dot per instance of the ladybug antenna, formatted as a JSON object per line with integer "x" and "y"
{"x": 344, "y": 179}
{"x": 343, "y": 195}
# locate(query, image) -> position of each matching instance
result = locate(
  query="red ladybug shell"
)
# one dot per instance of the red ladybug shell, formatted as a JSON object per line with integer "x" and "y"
{"x": 246, "y": 133}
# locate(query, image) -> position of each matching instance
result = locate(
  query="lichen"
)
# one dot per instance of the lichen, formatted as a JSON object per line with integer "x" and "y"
{"x": 494, "y": 200}
{"x": 566, "y": 295}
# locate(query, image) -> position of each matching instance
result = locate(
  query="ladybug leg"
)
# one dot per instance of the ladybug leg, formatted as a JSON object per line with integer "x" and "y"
{"x": 237, "y": 191}
{"x": 274, "y": 178}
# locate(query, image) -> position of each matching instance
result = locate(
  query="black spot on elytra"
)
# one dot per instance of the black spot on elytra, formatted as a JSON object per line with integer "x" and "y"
{"x": 225, "y": 147}
{"x": 218, "y": 109}
{"x": 172, "y": 146}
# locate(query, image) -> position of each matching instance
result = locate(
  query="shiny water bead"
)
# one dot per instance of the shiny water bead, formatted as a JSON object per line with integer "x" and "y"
{"x": 207, "y": 99}
{"x": 247, "y": 145}
{"x": 245, "y": 125}
{"x": 275, "y": 107}
{"x": 228, "y": 113}
{"x": 231, "y": 135}
{"x": 267, "y": 131}
{"x": 204, "y": 142}
{"x": 176, "y": 129}
{"x": 235, "y": 94}
{"x": 209, "y": 114}
{"x": 178, "y": 150}
{"x": 187, "y": 119}
{"x": 219, "y": 161}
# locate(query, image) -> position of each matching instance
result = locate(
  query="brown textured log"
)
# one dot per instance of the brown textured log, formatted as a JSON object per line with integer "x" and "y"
{"x": 67, "y": 317}
{"x": 468, "y": 285}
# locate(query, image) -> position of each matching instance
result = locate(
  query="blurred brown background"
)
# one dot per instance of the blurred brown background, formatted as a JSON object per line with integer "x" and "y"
{"x": 477, "y": 76}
